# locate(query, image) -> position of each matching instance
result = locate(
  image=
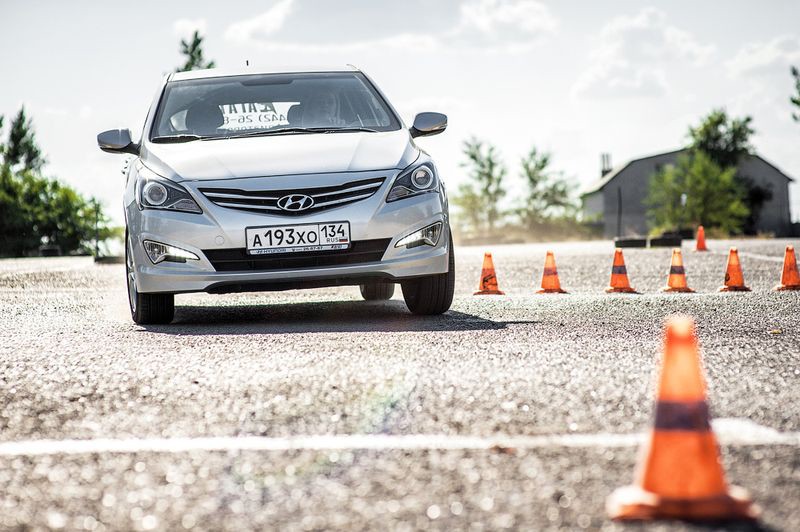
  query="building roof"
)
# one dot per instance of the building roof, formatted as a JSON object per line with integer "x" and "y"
{"x": 603, "y": 181}
{"x": 246, "y": 70}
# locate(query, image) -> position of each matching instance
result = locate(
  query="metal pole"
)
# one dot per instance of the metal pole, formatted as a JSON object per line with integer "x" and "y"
{"x": 619, "y": 212}
{"x": 96, "y": 230}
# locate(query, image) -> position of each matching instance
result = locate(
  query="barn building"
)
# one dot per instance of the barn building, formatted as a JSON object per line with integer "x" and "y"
{"x": 619, "y": 196}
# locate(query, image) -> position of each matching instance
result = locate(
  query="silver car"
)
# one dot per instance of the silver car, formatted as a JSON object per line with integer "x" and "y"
{"x": 254, "y": 181}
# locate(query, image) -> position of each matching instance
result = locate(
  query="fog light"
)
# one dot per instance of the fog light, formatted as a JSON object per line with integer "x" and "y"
{"x": 427, "y": 236}
{"x": 159, "y": 252}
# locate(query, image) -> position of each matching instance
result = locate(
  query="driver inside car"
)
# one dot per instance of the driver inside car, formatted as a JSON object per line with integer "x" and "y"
{"x": 323, "y": 111}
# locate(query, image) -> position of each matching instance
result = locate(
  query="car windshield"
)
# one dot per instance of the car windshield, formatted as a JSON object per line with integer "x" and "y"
{"x": 270, "y": 103}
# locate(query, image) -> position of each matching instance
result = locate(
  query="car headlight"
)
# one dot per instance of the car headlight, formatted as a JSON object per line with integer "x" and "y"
{"x": 155, "y": 192}
{"x": 427, "y": 236}
{"x": 419, "y": 180}
{"x": 158, "y": 252}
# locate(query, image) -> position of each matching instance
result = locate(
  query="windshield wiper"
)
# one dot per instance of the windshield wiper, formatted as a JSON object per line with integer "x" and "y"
{"x": 265, "y": 133}
{"x": 357, "y": 128}
{"x": 177, "y": 138}
{"x": 292, "y": 130}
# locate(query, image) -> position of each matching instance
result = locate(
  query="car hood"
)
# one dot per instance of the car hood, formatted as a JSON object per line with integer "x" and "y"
{"x": 281, "y": 155}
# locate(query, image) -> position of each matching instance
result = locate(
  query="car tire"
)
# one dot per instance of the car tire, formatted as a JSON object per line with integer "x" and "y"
{"x": 377, "y": 291}
{"x": 146, "y": 309}
{"x": 432, "y": 294}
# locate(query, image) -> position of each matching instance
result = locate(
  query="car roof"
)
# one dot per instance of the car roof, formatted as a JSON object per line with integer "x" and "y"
{"x": 248, "y": 70}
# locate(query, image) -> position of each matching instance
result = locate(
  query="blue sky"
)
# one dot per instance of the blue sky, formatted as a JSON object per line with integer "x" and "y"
{"x": 574, "y": 78}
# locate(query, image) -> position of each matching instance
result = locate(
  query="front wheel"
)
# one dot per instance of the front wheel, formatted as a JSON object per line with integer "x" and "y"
{"x": 432, "y": 294}
{"x": 146, "y": 308}
{"x": 377, "y": 291}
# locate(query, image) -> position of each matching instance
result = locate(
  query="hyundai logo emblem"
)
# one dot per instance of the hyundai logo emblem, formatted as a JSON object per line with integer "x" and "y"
{"x": 296, "y": 202}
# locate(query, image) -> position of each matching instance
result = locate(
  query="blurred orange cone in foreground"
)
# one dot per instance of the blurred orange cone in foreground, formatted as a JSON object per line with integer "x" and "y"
{"x": 790, "y": 278}
{"x": 488, "y": 282}
{"x": 676, "y": 282}
{"x": 734, "y": 279}
{"x": 550, "y": 282}
{"x": 680, "y": 475}
{"x": 701, "y": 239}
{"x": 619, "y": 276}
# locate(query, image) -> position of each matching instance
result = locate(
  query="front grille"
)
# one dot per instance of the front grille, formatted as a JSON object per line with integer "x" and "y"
{"x": 237, "y": 259}
{"x": 266, "y": 201}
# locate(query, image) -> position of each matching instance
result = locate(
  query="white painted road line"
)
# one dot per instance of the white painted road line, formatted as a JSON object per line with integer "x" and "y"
{"x": 729, "y": 432}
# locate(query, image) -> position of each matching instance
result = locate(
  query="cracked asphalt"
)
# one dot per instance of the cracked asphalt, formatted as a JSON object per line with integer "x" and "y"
{"x": 323, "y": 362}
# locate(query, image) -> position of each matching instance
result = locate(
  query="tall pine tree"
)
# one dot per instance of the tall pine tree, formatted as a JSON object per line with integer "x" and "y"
{"x": 193, "y": 50}
{"x": 21, "y": 150}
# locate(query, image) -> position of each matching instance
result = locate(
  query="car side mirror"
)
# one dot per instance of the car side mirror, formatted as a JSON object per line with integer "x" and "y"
{"x": 427, "y": 124}
{"x": 117, "y": 141}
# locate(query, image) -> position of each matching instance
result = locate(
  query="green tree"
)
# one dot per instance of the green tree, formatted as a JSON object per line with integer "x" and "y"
{"x": 696, "y": 191}
{"x": 479, "y": 199}
{"x": 193, "y": 50}
{"x": 21, "y": 148}
{"x": 470, "y": 204}
{"x": 36, "y": 209}
{"x": 726, "y": 141}
{"x": 795, "y": 98}
{"x": 548, "y": 194}
{"x": 17, "y": 227}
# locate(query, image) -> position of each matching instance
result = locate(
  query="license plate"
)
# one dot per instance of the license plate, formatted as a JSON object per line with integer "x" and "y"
{"x": 296, "y": 238}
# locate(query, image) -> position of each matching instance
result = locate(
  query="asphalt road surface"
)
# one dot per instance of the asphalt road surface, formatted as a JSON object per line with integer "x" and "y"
{"x": 316, "y": 410}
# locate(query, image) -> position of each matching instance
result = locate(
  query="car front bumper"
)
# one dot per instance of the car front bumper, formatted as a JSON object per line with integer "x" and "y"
{"x": 224, "y": 230}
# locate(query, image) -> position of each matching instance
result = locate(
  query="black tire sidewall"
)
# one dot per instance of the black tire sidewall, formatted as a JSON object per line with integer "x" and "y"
{"x": 432, "y": 294}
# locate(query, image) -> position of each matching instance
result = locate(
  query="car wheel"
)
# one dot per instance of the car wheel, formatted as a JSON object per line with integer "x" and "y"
{"x": 146, "y": 308}
{"x": 432, "y": 294}
{"x": 377, "y": 291}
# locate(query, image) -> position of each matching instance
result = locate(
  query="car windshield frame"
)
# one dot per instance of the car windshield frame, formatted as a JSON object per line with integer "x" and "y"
{"x": 156, "y": 135}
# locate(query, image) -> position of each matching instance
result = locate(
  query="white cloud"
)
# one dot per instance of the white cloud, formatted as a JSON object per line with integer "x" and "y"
{"x": 619, "y": 79}
{"x": 499, "y": 17}
{"x": 761, "y": 74}
{"x": 633, "y": 55}
{"x": 184, "y": 28}
{"x": 764, "y": 57}
{"x": 508, "y": 25}
{"x": 262, "y": 27}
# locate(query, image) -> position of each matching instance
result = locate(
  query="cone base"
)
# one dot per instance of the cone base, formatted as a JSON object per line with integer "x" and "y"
{"x": 684, "y": 289}
{"x": 785, "y": 287}
{"x": 489, "y": 293}
{"x": 632, "y": 503}
{"x": 701, "y": 250}
{"x": 551, "y": 291}
{"x": 621, "y": 290}
{"x": 734, "y": 289}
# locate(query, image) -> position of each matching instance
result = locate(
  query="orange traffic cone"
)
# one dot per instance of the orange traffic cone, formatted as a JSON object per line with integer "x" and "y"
{"x": 680, "y": 475}
{"x": 488, "y": 282}
{"x": 550, "y": 282}
{"x": 790, "y": 278}
{"x": 619, "y": 276}
{"x": 676, "y": 282}
{"x": 734, "y": 279}
{"x": 701, "y": 239}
